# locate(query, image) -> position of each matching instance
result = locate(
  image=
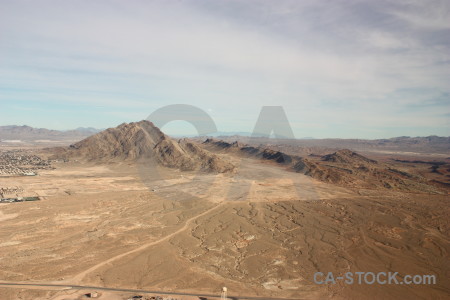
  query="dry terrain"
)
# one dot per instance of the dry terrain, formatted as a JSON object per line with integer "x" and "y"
{"x": 261, "y": 228}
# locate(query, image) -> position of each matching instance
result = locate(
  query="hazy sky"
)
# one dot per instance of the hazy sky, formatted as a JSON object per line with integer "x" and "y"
{"x": 367, "y": 69}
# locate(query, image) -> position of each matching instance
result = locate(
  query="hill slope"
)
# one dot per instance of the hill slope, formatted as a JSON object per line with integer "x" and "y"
{"x": 343, "y": 167}
{"x": 144, "y": 141}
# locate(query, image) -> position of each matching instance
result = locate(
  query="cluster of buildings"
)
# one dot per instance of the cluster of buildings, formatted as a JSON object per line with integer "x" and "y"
{"x": 140, "y": 297}
{"x": 19, "y": 199}
{"x": 18, "y": 163}
{"x": 14, "y": 194}
{"x": 152, "y": 298}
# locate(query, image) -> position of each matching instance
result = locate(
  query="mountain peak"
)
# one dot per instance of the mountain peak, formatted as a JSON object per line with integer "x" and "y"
{"x": 143, "y": 140}
{"x": 347, "y": 156}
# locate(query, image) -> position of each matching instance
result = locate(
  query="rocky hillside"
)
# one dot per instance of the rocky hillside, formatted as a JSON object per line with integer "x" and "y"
{"x": 142, "y": 141}
{"x": 346, "y": 156}
{"x": 343, "y": 167}
{"x": 424, "y": 145}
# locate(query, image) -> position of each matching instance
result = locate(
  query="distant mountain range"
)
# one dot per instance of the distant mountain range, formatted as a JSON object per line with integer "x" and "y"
{"x": 429, "y": 144}
{"x": 27, "y": 133}
{"x": 235, "y": 133}
{"x": 426, "y": 145}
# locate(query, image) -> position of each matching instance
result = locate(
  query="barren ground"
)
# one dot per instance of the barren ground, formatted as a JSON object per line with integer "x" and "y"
{"x": 263, "y": 231}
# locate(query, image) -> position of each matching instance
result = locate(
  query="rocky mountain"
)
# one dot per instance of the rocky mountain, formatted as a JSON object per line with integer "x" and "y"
{"x": 347, "y": 157}
{"x": 343, "y": 167}
{"x": 425, "y": 145}
{"x": 142, "y": 141}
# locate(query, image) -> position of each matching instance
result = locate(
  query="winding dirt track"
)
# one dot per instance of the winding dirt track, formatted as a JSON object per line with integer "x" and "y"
{"x": 79, "y": 277}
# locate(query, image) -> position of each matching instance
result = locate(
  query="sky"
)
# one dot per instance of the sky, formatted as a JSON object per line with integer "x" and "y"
{"x": 340, "y": 69}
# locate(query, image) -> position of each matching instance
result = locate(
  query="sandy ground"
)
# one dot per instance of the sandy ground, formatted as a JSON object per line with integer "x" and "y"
{"x": 262, "y": 231}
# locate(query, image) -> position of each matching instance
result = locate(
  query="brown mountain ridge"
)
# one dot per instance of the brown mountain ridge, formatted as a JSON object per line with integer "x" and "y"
{"x": 343, "y": 167}
{"x": 143, "y": 141}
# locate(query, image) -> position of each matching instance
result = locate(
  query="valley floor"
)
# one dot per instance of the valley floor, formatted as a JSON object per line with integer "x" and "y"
{"x": 262, "y": 231}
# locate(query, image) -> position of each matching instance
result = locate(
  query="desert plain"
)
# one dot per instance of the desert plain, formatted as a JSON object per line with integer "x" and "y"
{"x": 262, "y": 230}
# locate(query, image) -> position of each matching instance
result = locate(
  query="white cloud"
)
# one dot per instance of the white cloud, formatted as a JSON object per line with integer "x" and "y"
{"x": 231, "y": 57}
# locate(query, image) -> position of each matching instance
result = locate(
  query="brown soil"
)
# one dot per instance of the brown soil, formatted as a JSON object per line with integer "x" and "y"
{"x": 132, "y": 208}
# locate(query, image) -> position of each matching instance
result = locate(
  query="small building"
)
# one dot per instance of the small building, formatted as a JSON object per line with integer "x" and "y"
{"x": 92, "y": 295}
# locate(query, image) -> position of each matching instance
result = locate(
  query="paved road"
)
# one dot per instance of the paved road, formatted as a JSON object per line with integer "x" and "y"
{"x": 98, "y": 288}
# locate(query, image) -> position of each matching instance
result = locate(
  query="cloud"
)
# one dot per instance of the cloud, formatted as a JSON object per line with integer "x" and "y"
{"x": 428, "y": 15}
{"x": 230, "y": 57}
